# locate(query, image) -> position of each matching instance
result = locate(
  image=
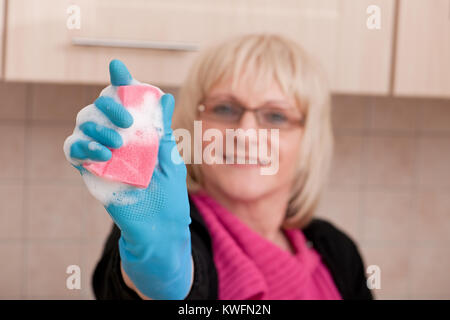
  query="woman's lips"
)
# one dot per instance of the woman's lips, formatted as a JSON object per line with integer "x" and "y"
{"x": 244, "y": 161}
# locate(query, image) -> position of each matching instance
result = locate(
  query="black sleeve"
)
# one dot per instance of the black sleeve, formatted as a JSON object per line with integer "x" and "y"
{"x": 108, "y": 282}
{"x": 360, "y": 289}
{"x": 342, "y": 257}
{"x": 204, "y": 286}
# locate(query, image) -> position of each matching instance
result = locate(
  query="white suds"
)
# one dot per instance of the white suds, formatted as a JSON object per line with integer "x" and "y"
{"x": 93, "y": 146}
{"x": 145, "y": 121}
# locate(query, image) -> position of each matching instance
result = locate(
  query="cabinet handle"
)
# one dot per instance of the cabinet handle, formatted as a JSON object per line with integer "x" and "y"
{"x": 137, "y": 44}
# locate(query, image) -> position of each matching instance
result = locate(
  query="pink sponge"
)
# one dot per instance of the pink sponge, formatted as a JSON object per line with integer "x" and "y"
{"x": 134, "y": 162}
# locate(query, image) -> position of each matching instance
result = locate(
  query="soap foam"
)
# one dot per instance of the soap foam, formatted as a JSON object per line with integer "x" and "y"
{"x": 142, "y": 117}
{"x": 107, "y": 191}
{"x": 93, "y": 146}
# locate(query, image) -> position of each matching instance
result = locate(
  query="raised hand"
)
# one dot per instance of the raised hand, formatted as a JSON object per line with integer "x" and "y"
{"x": 155, "y": 245}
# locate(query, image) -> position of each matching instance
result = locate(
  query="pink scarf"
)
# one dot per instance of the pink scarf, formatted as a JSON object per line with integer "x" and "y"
{"x": 251, "y": 267}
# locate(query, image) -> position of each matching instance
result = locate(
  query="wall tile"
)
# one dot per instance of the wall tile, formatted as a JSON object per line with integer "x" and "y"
{"x": 387, "y": 216}
{"x": 349, "y": 112}
{"x": 56, "y": 102}
{"x": 431, "y": 222}
{"x": 55, "y": 211}
{"x": 433, "y": 162}
{"x": 346, "y": 163}
{"x": 395, "y": 114}
{"x": 92, "y": 92}
{"x": 435, "y": 116}
{"x": 46, "y": 269}
{"x": 390, "y": 161}
{"x": 14, "y": 98}
{"x": 11, "y": 211}
{"x": 394, "y": 264}
{"x": 342, "y": 209}
{"x": 11, "y": 275}
{"x": 429, "y": 273}
{"x": 12, "y": 140}
{"x": 47, "y": 156}
{"x": 96, "y": 220}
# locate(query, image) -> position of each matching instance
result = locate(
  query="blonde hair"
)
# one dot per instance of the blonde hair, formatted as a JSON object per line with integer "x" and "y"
{"x": 265, "y": 58}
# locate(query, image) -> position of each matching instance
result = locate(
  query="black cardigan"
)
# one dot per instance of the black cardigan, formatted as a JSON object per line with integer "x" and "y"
{"x": 338, "y": 252}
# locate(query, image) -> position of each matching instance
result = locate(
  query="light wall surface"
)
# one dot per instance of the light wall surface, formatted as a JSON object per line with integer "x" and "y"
{"x": 388, "y": 189}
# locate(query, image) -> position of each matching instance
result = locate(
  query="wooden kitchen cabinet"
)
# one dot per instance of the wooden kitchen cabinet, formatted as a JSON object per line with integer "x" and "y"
{"x": 356, "y": 59}
{"x": 2, "y": 22}
{"x": 40, "y": 47}
{"x": 423, "y": 49}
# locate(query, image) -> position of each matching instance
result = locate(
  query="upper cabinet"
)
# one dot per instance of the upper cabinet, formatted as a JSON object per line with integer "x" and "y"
{"x": 423, "y": 48}
{"x": 73, "y": 41}
{"x": 359, "y": 59}
{"x": 2, "y": 22}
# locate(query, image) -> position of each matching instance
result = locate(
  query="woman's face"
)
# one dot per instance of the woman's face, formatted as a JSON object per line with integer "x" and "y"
{"x": 246, "y": 182}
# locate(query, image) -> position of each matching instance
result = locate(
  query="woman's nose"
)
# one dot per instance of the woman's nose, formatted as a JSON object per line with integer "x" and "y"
{"x": 247, "y": 137}
{"x": 248, "y": 121}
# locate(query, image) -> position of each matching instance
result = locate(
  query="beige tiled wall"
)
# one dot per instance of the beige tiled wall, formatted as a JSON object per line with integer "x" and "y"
{"x": 389, "y": 189}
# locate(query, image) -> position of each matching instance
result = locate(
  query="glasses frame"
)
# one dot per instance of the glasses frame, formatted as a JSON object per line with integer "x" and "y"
{"x": 300, "y": 123}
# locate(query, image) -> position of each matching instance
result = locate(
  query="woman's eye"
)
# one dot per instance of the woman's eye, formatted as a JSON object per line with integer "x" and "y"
{"x": 276, "y": 117}
{"x": 223, "y": 110}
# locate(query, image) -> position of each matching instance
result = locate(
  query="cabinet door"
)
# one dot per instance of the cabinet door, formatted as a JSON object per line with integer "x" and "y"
{"x": 423, "y": 48}
{"x": 41, "y": 48}
{"x": 356, "y": 59}
{"x": 42, "y": 33}
{"x": 362, "y": 58}
{"x": 2, "y": 17}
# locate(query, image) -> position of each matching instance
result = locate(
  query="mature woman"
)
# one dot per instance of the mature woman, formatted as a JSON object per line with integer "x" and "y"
{"x": 221, "y": 229}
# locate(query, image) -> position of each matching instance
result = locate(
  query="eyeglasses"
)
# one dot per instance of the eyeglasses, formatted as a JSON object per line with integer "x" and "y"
{"x": 267, "y": 117}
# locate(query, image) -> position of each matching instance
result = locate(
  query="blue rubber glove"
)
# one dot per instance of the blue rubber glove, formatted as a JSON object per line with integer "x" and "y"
{"x": 155, "y": 243}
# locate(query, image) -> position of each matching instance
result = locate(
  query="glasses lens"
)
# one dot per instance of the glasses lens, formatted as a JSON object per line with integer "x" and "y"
{"x": 224, "y": 111}
{"x": 274, "y": 118}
